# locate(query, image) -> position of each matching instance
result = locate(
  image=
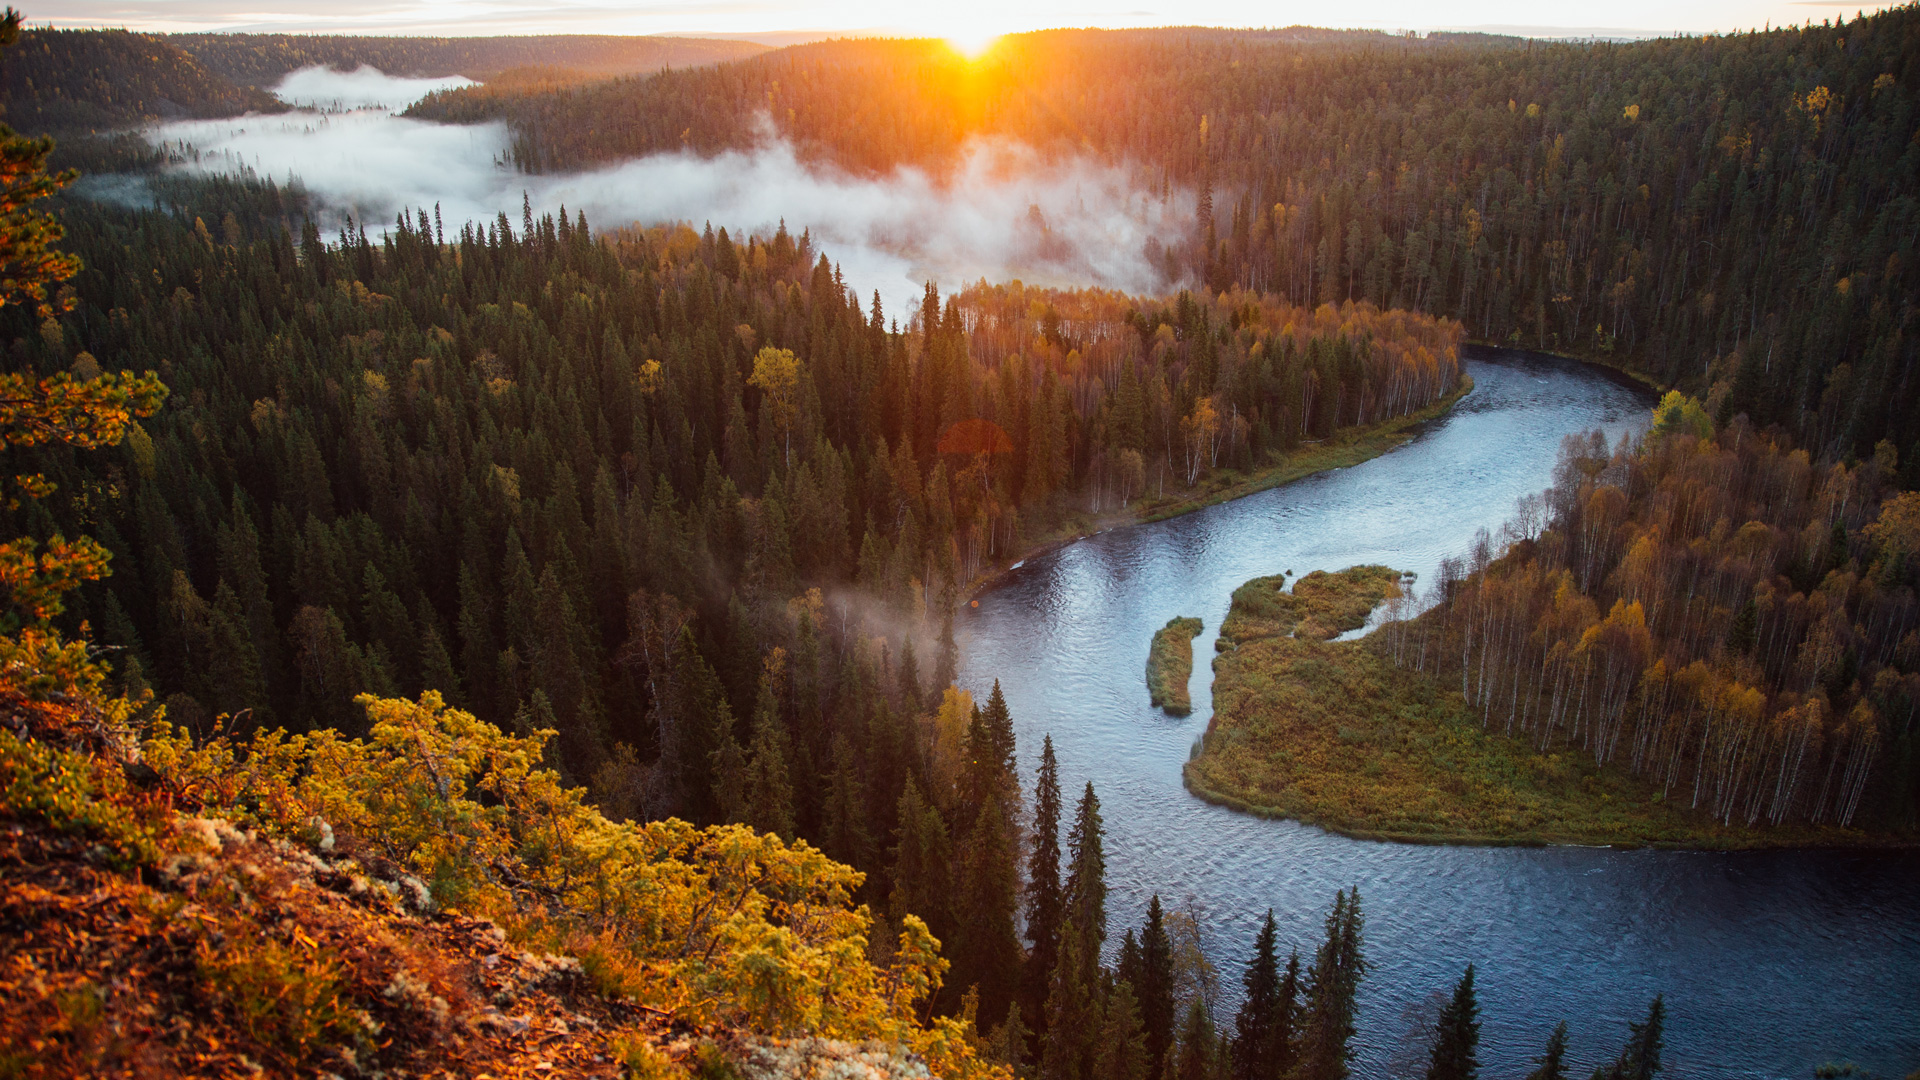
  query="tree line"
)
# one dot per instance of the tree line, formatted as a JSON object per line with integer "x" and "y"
{"x": 1710, "y": 608}
{"x": 1733, "y": 210}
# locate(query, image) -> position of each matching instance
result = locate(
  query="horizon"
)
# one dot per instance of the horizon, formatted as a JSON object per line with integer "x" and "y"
{"x": 777, "y": 24}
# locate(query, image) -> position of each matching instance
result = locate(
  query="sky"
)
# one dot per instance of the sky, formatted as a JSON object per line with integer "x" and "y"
{"x": 975, "y": 21}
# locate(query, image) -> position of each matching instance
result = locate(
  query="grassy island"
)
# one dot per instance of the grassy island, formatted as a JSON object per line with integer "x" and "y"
{"x": 1321, "y": 605}
{"x": 1333, "y": 734}
{"x": 1170, "y": 665}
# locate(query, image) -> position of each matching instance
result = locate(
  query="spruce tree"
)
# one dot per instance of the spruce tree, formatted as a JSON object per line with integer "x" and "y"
{"x": 922, "y": 865}
{"x": 1123, "y": 1041}
{"x": 844, "y": 835}
{"x": 987, "y": 950}
{"x": 1253, "y": 1027}
{"x": 1043, "y": 883}
{"x": 1286, "y": 1019}
{"x": 1456, "y": 1037}
{"x": 1552, "y": 1062}
{"x": 1073, "y": 993}
{"x": 1332, "y": 983}
{"x": 1194, "y": 1057}
{"x": 1129, "y": 968}
{"x": 1640, "y": 1059}
{"x": 1156, "y": 987}
{"x": 1085, "y": 915}
{"x": 1073, "y": 1013}
{"x": 1007, "y": 1043}
{"x": 769, "y": 794}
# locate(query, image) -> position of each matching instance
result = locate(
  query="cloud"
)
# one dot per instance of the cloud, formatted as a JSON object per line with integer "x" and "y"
{"x": 320, "y": 87}
{"x": 1004, "y": 213}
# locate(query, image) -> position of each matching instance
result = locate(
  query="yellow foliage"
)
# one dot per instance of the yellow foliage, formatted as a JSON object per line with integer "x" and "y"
{"x": 718, "y": 925}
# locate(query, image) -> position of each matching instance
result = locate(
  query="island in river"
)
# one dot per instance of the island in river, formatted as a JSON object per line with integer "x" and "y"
{"x": 1170, "y": 665}
{"x": 1333, "y": 734}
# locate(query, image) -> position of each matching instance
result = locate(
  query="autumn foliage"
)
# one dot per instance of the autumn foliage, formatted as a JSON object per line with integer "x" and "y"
{"x": 1711, "y": 609}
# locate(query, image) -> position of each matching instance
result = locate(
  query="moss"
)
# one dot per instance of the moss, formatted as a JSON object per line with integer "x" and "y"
{"x": 1170, "y": 665}
{"x": 1334, "y": 735}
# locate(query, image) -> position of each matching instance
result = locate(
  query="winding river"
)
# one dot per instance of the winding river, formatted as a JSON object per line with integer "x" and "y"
{"x": 1771, "y": 962}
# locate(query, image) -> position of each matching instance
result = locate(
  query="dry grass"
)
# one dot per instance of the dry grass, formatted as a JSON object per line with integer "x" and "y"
{"x": 1321, "y": 606}
{"x": 1170, "y": 665}
{"x": 1332, "y": 734}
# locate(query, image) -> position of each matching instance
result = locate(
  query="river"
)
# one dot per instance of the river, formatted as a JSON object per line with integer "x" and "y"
{"x": 1771, "y": 962}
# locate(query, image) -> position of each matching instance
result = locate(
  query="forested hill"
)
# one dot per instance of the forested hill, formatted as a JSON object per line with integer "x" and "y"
{"x": 70, "y": 82}
{"x": 75, "y": 82}
{"x": 263, "y": 59}
{"x": 1731, "y": 214}
{"x": 513, "y": 466}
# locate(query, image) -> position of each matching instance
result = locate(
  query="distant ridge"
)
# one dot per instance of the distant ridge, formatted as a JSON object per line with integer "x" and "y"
{"x": 260, "y": 60}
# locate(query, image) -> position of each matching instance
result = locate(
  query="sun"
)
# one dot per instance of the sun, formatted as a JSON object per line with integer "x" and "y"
{"x": 972, "y": 43}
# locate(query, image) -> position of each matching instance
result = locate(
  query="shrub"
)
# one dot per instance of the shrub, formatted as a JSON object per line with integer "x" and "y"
{"x": 282, "y": 997}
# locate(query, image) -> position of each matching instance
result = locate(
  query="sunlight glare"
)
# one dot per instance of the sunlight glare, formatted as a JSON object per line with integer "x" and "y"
{"x": 972, "y": 44}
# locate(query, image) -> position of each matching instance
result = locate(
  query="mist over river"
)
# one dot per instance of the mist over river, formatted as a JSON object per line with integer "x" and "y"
{"x": 1772, "y": 962}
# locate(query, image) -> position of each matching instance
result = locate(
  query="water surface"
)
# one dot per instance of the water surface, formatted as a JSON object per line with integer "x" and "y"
{"x": 1772, "y": 962}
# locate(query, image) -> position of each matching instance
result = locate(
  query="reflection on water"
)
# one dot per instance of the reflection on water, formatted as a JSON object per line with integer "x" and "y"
{"x": 1771, "y": 962}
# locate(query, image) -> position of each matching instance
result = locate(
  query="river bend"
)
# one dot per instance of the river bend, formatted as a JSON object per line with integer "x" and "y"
{"x": 1772, "y": 962}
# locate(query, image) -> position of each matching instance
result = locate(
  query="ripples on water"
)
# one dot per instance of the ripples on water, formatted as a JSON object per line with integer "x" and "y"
{"x": 1772, "y": 962}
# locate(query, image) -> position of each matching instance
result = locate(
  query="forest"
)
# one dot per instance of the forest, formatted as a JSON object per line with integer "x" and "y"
{"x": 88, "y": 86}
{"x": 688, "y": 503}
{"x": 75, "y": 82}
{"x": 260, "y": 60}
{"x": 1711, "y": 609}
{"x": 659, "y": 530}
{"x": 1732, "y": 210}
{"x": 482, "y": 811}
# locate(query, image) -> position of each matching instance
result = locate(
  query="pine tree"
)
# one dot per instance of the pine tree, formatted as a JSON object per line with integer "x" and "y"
{"x": 1254, "y": 1035}
{"x": 1044, "y": 901}
{"x": 1456, "y": 1037}
{"x": 1552, "y": 1062}
{"x": 1156, "y": 986}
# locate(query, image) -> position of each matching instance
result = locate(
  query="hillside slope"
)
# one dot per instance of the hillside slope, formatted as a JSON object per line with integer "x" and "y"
{"x": 263, "y": 59}
{"x": 183, "y": 910}
{"x": 69, "y": 82}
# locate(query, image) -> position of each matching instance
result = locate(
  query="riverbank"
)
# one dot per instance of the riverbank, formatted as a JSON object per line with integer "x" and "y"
{"x": 1344, "y": 448}
{"x": 1170, "y": 665}
{"x": 1334, "y": 735}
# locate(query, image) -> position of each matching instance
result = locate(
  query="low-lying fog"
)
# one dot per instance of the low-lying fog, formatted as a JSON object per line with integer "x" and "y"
{"x": 1006, "y": 214}
{"x": 321, "y": 87}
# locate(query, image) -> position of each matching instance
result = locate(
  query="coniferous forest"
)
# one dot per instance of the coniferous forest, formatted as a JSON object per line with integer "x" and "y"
{"x": 599, "y": 578}
{"x": 1730, "y": 213}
